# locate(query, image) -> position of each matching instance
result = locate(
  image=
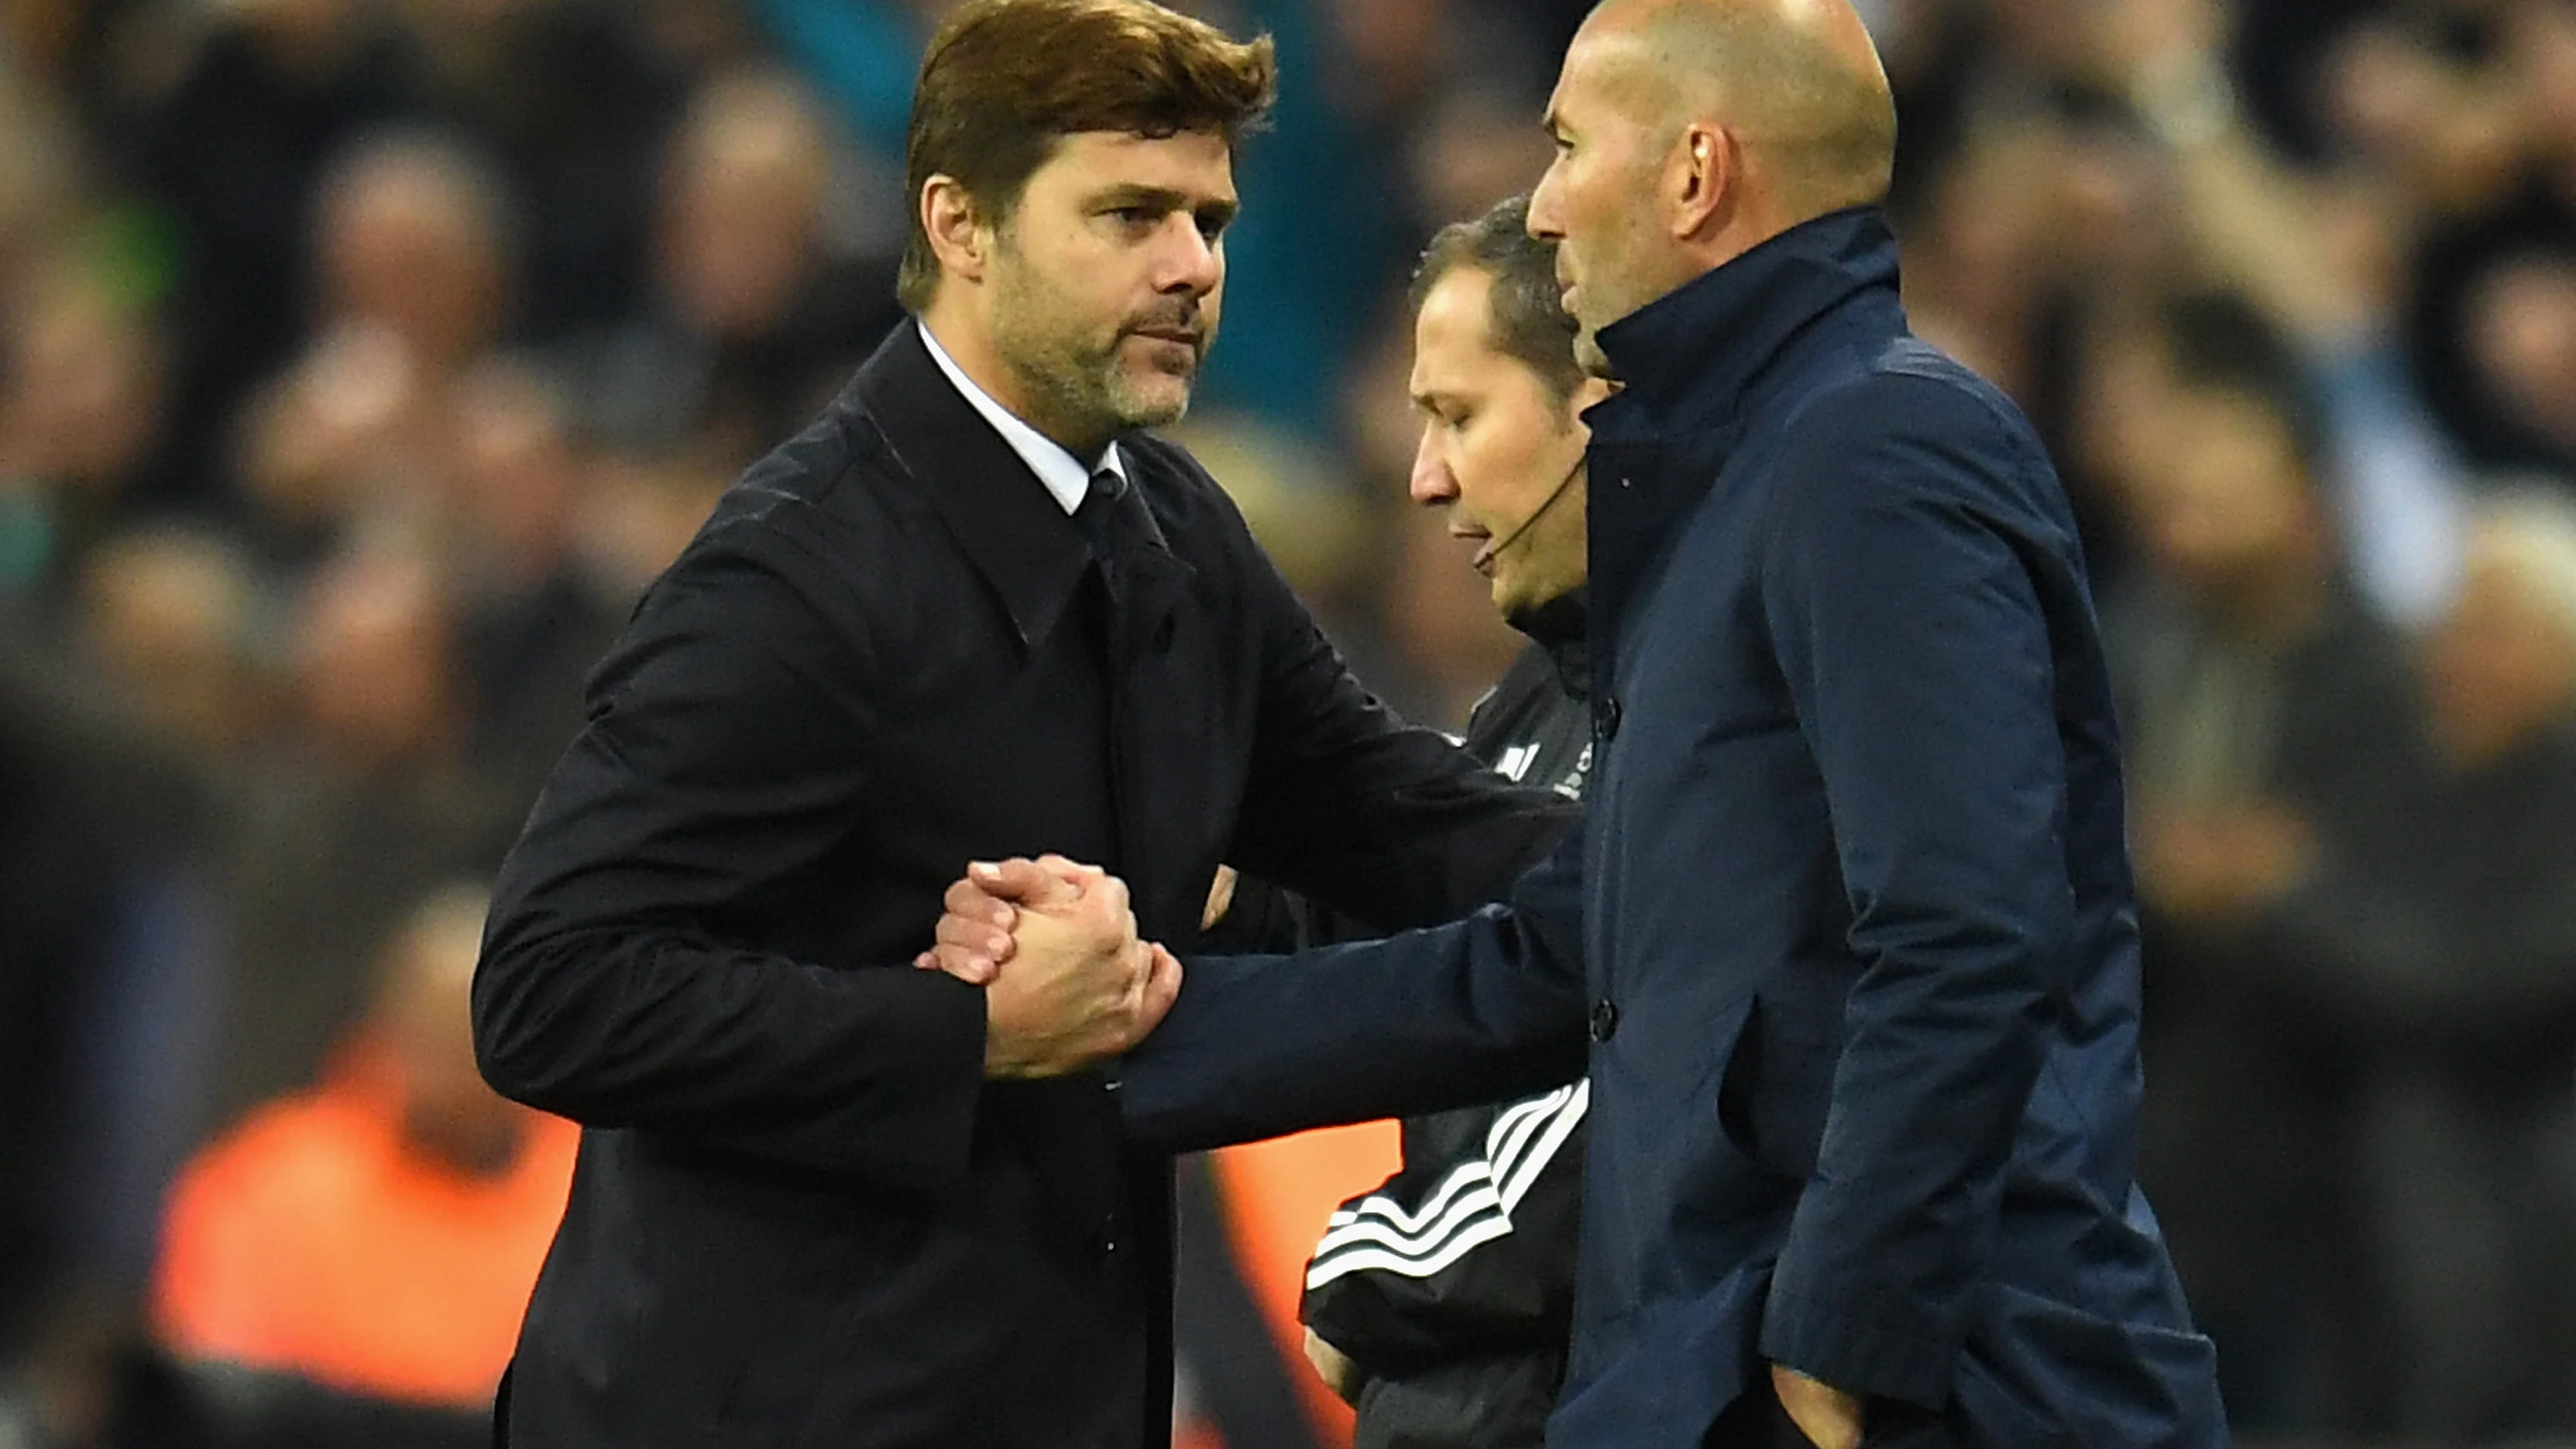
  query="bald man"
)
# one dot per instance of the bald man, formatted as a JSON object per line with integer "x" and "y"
{"x": 1850, "y": 927}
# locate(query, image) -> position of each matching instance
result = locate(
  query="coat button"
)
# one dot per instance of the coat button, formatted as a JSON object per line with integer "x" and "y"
{"x": 1605, "y": 1019}
{"x": 1606, "y": 718}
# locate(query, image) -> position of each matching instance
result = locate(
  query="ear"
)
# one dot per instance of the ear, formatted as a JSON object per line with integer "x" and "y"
{"x": 958, "y": 237}
{"x": 1703, "y": 180}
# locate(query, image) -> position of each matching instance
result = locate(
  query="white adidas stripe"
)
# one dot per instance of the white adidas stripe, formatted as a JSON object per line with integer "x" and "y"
{"x": 1472, "y": 1206}
{"x": 1465, "y": 1175}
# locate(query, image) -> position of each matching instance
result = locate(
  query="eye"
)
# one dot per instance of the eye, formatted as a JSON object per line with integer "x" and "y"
{"x": 1211, "y": 225}
{"x": 1136, "y": 218}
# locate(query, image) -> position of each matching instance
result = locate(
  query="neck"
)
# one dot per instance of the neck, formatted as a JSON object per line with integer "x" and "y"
{"x": 1560, "y": 626}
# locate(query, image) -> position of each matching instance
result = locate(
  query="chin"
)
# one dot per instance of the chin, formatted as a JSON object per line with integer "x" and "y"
{"x": 1589, "y": 356}
{"x": 1154, "y": 403}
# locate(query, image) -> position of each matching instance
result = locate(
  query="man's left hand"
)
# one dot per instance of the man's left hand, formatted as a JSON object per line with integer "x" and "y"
{"x": 1828, "y": 1417}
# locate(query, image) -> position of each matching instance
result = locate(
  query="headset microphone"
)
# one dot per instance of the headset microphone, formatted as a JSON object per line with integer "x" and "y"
{"x": 1494, "y": 550}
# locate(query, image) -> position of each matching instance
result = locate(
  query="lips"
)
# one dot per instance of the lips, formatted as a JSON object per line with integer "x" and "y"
{"x": 1484, "y": 560}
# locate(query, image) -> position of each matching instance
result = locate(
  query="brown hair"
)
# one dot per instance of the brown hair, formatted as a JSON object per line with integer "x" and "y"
{"x": 1005, "y": 80}
{"x": 1526, "y": 315}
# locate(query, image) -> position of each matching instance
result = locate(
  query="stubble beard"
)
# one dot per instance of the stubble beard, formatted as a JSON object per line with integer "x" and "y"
{"x": 1073, "y": 376}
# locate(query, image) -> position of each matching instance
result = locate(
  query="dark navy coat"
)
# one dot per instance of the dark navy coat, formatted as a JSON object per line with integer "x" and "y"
{"x": 1849, "y": 929}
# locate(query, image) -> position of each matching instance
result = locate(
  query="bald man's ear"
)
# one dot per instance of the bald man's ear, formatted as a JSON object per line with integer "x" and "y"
{"x": 1703, "y": 181}
{"x": 957, "y": 234}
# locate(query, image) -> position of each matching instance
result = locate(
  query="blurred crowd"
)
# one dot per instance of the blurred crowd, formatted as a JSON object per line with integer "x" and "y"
{"x": 363, "y": 359}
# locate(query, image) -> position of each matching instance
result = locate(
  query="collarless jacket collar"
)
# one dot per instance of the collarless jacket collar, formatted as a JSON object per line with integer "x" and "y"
{"x": 1696, "y": 358}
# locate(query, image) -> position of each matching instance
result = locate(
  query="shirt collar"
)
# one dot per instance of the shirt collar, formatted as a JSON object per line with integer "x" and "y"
{"x": 1064, "y": 476}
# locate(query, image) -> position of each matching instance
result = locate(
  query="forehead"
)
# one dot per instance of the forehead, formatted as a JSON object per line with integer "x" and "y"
{"x": 1603, "y": 72}
{"x": 1197, "y": 164}
{"x": 1453, "y": 334}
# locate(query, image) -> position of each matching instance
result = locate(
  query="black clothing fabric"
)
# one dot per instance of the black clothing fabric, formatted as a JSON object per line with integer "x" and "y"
{"x": 800, "y": 1214}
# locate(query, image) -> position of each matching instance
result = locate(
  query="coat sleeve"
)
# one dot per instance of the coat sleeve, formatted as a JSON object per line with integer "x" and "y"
{"x": 727, "y": 750}
{"x": 1479, "y": 1010}
{"x": 1351, "y": 807}
{"x": 1909, "y": 628}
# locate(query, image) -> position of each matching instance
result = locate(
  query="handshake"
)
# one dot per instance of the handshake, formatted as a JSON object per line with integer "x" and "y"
{"x": 1066, "y": 980}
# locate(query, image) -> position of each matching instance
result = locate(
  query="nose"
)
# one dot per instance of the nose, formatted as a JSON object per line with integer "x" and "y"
{"x": 1432, "y": 484}
{"x": 1543, "y": 222}
{"x": 1189, "y": 261}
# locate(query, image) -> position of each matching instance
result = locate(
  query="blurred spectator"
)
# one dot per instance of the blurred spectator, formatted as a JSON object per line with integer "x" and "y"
{"x": 376, "y": 1236}
{"x": 80, "y": 413}
{"x": 169, "y": 617}
{"x": 412, "y": 263}
{"x": 367, "y": 803}
{"x": 258, "y": 99}
{"x": 574, "y": 100}
{"x": 752, "y": 322}
{"x": 533, "y": 617}
{"x": 104, "y": 959}
{"x": 414, "y": 233}
{"x": 2442, "y": 947}
{"x": 2261, "y": 706}
{"x": 2521, "y": 321}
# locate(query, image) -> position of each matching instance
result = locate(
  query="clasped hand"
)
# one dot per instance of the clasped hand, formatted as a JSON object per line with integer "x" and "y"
{"x": 1080, "y": 985}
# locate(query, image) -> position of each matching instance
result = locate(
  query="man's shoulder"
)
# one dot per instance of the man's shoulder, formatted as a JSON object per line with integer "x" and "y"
{"x": 1910, "y": 418}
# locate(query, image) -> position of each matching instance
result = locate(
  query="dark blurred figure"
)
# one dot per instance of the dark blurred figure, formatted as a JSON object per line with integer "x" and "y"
{"x": 573, "y": 98}
{"x": 233, "y": 143}
{"x": 169, "y": 618}
{"x": 347, "y": 1267}
{"x": 2520, "y": 321}
{"x": 752, "y": 320}
{"x": 412, "y": 268}
{"x": 2445, "y": 949}
{"x": 81, "y": 394}
{"x": 532, "y": 614}
{"x": 367, "y": 800}
{"x": 103, "y": 940}
{"x": 2262, "y": 706}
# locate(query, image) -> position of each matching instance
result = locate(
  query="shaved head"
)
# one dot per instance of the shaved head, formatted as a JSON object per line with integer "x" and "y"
{"x": 1690, "y": 131}
{"x": 1798, "y": 80}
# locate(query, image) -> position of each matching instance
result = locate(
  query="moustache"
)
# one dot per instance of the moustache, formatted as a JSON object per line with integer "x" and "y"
{"x": 1180, "y": 324}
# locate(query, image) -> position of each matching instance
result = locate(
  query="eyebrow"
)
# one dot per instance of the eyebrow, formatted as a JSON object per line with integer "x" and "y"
{"x": 1165, "y": 200}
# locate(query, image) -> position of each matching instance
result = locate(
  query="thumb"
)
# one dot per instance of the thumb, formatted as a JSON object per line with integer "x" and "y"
{"x": 1023, "y": 881}
{"x": 1162, "y": 987}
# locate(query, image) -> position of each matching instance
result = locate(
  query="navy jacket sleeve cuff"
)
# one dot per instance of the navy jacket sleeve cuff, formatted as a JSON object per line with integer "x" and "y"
{"x": 1879, "y": 1347}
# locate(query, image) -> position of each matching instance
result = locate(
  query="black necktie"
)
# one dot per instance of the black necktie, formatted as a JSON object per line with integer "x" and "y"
{"x": 1097, "y": 516}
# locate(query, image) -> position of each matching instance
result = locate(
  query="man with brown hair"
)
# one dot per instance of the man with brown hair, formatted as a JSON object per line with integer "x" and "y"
{"x": 823, "y": 1198}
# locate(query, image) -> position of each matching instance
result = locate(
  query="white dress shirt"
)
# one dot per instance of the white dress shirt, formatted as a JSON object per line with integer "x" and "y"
{"x": 1063, "y": 474}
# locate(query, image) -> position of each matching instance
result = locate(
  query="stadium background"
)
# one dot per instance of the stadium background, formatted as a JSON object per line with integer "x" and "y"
{"x": 363, "y": 358}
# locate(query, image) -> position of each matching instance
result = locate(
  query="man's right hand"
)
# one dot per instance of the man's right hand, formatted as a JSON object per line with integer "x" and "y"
{"x": 1079, "y": 987}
